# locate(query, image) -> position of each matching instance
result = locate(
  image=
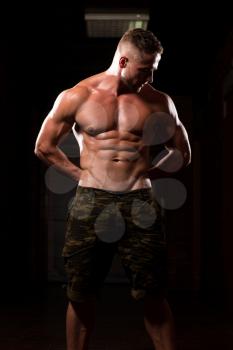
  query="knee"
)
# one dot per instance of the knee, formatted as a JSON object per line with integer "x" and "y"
{"x": 84, "y": 313}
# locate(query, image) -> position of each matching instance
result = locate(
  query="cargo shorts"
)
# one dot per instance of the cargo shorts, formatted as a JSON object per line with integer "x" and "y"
{"x": 101, "y": 224}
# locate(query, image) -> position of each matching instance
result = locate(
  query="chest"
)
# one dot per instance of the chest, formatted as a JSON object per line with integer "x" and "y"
{"x": 107, "y": 112}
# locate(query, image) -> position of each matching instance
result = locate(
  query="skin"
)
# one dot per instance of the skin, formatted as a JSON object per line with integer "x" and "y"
{"x": 115, "y": 117}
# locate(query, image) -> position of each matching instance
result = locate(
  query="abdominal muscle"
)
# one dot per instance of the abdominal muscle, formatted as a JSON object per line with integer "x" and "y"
{"x": 113, "y": 170}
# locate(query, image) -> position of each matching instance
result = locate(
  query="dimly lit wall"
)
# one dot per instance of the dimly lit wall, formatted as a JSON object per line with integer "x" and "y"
{"x": 44, "y": 52}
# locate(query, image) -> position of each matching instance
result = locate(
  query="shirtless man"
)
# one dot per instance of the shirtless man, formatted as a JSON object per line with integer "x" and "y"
{"x": 118, "y": 118}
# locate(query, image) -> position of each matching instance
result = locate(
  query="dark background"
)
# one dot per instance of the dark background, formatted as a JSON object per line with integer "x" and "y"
{"x": 44, "y": 51}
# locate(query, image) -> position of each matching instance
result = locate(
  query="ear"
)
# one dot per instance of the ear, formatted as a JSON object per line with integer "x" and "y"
{"x": 123, "y": 62}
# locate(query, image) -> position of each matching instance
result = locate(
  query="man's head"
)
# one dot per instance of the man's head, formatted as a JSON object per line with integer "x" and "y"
{"x": 143, "y": 40}
{"x": 139, "y": 53}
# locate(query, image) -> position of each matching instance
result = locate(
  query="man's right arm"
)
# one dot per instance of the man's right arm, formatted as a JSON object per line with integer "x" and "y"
{"x": 56, "y": 126}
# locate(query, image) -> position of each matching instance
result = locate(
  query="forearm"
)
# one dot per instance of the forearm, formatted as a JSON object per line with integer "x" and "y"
{"x": 55, "y": 157}
{"x": 172, "y": 161}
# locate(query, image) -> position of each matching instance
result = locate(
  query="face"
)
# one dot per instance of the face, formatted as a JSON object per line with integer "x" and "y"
{"x": 138, "y": 72}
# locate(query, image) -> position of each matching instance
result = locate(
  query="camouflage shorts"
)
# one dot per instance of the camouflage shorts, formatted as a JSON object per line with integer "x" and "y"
{"x": 101, "y": 224}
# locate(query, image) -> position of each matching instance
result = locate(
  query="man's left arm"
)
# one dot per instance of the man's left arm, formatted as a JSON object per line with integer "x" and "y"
{"x": 177, "y": 154}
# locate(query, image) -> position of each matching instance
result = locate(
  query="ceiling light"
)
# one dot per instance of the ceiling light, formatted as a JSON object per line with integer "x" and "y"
{"x": 114, "y": 23}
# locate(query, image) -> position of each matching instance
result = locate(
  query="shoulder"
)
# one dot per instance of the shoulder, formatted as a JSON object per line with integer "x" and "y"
{"x": 81, "y": 91}
{"x": 161, "y": 101}
{"x": 92, "y": 82}
{"x": 70, "y": 100}
{"x": 77, "y": 93}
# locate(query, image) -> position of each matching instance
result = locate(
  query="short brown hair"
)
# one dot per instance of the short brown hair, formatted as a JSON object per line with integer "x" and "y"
{"x": 143, "y": 39}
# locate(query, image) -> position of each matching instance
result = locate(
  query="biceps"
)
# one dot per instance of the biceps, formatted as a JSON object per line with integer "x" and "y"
{"x": 52, "y": 131}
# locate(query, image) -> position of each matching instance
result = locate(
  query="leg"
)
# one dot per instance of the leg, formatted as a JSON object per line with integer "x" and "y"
{"x": 79, "y": 324}
{"x": 87, "y": 261}
{"x": 159, "y": 323}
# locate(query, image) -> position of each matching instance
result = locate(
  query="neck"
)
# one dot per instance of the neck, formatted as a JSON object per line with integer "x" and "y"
{"x": 114, "y": 69}
{"x": 115, "y": 84}
{"x": 120, "y": 84}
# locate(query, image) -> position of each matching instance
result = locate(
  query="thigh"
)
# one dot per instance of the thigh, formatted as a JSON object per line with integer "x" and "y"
{"x": 87, "y": 259}
{"x": 143, "y": 248}
{"x": 87, "y": 269}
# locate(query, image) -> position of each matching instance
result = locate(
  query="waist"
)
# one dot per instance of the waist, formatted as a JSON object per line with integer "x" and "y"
{"x": 144, "y": 190}
{"x": 114, "y": 181}
{"x": 109, "y": 196}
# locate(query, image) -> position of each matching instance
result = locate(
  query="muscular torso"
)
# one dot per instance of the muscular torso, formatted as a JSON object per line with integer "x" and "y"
{"x": 114, "y": 154}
